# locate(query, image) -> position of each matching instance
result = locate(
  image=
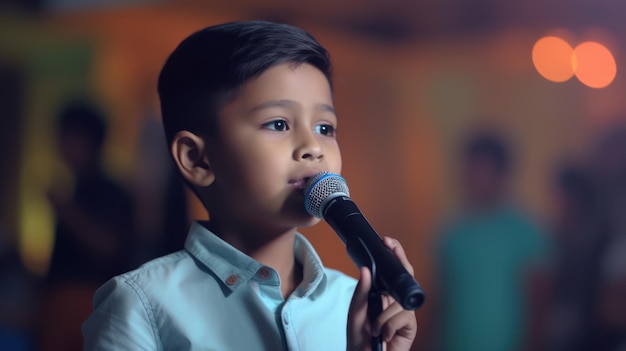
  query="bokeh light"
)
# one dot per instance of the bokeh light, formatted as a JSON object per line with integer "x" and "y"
{"x": 595, "y": 64}
{"x": 552, "y": 57}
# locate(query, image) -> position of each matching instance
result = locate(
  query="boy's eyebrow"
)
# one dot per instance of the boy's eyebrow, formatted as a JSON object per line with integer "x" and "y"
{"x": 290, "y": 103}
{"x": 327, "y": 108}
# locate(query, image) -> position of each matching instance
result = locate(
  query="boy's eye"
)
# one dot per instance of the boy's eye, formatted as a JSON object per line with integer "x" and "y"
{"x": 277, "y": 125}
{"x": 325, "y": 129}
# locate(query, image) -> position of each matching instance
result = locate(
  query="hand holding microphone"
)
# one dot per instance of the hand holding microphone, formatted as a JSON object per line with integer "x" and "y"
{"x": 327, "y": 197}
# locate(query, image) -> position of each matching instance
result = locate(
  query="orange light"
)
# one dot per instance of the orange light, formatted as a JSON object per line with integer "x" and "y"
{"x": 553, "y": 59}
{"x": 595, "y": 65}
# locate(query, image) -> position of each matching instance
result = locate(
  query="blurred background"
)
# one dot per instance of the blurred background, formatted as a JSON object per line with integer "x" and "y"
{"x": 487, "y": 136}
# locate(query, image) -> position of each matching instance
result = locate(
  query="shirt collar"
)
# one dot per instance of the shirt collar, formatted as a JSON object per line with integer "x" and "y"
{"x": 313, "y": 276}
{"x": 233, "y": 268}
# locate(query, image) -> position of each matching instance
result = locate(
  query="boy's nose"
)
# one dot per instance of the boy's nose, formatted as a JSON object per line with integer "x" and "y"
{"x": 309, "y": 148}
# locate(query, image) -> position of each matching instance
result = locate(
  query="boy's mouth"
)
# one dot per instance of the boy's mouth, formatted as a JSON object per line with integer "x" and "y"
{"x": 299, "y": 183}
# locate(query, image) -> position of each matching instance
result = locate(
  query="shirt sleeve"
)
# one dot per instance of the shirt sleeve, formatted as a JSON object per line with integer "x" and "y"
{"x": 122, "y": 319}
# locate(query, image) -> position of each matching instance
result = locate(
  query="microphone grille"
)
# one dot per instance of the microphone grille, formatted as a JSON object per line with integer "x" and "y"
{"x": 321, "y": 187}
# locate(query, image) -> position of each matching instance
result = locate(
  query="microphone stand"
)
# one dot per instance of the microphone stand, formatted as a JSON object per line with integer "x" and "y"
{"x": 374, "y": 308}
{"x": 357, "y": 248}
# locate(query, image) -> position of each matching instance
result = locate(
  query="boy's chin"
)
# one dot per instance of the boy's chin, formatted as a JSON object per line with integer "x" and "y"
{"x": 309, "y": 221}
{"x": 295, "y": 207}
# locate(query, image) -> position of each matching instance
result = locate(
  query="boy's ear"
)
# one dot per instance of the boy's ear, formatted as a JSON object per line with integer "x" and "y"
{"x": 188, "y": 151}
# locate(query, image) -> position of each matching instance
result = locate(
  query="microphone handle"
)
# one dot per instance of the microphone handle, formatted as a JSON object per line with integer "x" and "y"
{"x": 366, "y": 248}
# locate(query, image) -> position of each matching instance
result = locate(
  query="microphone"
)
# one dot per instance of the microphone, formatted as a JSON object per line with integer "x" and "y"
{"x": 327, "y": 196}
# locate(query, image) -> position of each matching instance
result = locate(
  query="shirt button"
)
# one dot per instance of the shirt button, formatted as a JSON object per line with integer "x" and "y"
{"x": 264, "y": 273}
{"x": 232, "y": 279}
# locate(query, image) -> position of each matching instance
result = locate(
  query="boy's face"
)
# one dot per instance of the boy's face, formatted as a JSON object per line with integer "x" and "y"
{"x": 484, "y": 182}
{"x": 277, "y": 133}
{"x": 76, "y": 150}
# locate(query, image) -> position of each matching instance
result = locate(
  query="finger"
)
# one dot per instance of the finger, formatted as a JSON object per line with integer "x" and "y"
{"x": 398, "y": 250}
{"x": 396, "y": 321}
{"x": 361, "y": 292}
{"x": 358, "y": 326}
{"x": 402, "y": 325}
{"x": 387, "y": 313}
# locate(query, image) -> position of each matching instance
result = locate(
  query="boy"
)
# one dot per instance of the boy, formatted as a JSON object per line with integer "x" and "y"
{"x": 247, "y": 110}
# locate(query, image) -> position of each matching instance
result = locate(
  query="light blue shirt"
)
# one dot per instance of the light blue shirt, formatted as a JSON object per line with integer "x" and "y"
{"x": 212, "y": 296}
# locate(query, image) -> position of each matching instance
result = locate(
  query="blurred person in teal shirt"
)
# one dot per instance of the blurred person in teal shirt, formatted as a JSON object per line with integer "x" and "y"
{"x": 486, "y": 255}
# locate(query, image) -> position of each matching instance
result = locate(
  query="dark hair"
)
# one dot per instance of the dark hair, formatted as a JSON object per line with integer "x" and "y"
{"x": 491, "y": 146}
{"x": 206, "y": 70}
{"x": 85, "y": 118}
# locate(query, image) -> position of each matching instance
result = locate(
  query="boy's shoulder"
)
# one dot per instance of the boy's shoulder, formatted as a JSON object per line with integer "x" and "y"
{"x": 160, "y": 271}
{"x": 171, "y": 259}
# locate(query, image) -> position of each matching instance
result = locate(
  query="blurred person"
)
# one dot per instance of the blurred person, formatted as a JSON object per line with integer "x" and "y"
{"x": 93, "y": 224}
{"x": 609, "y": 169}
{"x": 579, "y": 245}
{"x": 486, "y": 255}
